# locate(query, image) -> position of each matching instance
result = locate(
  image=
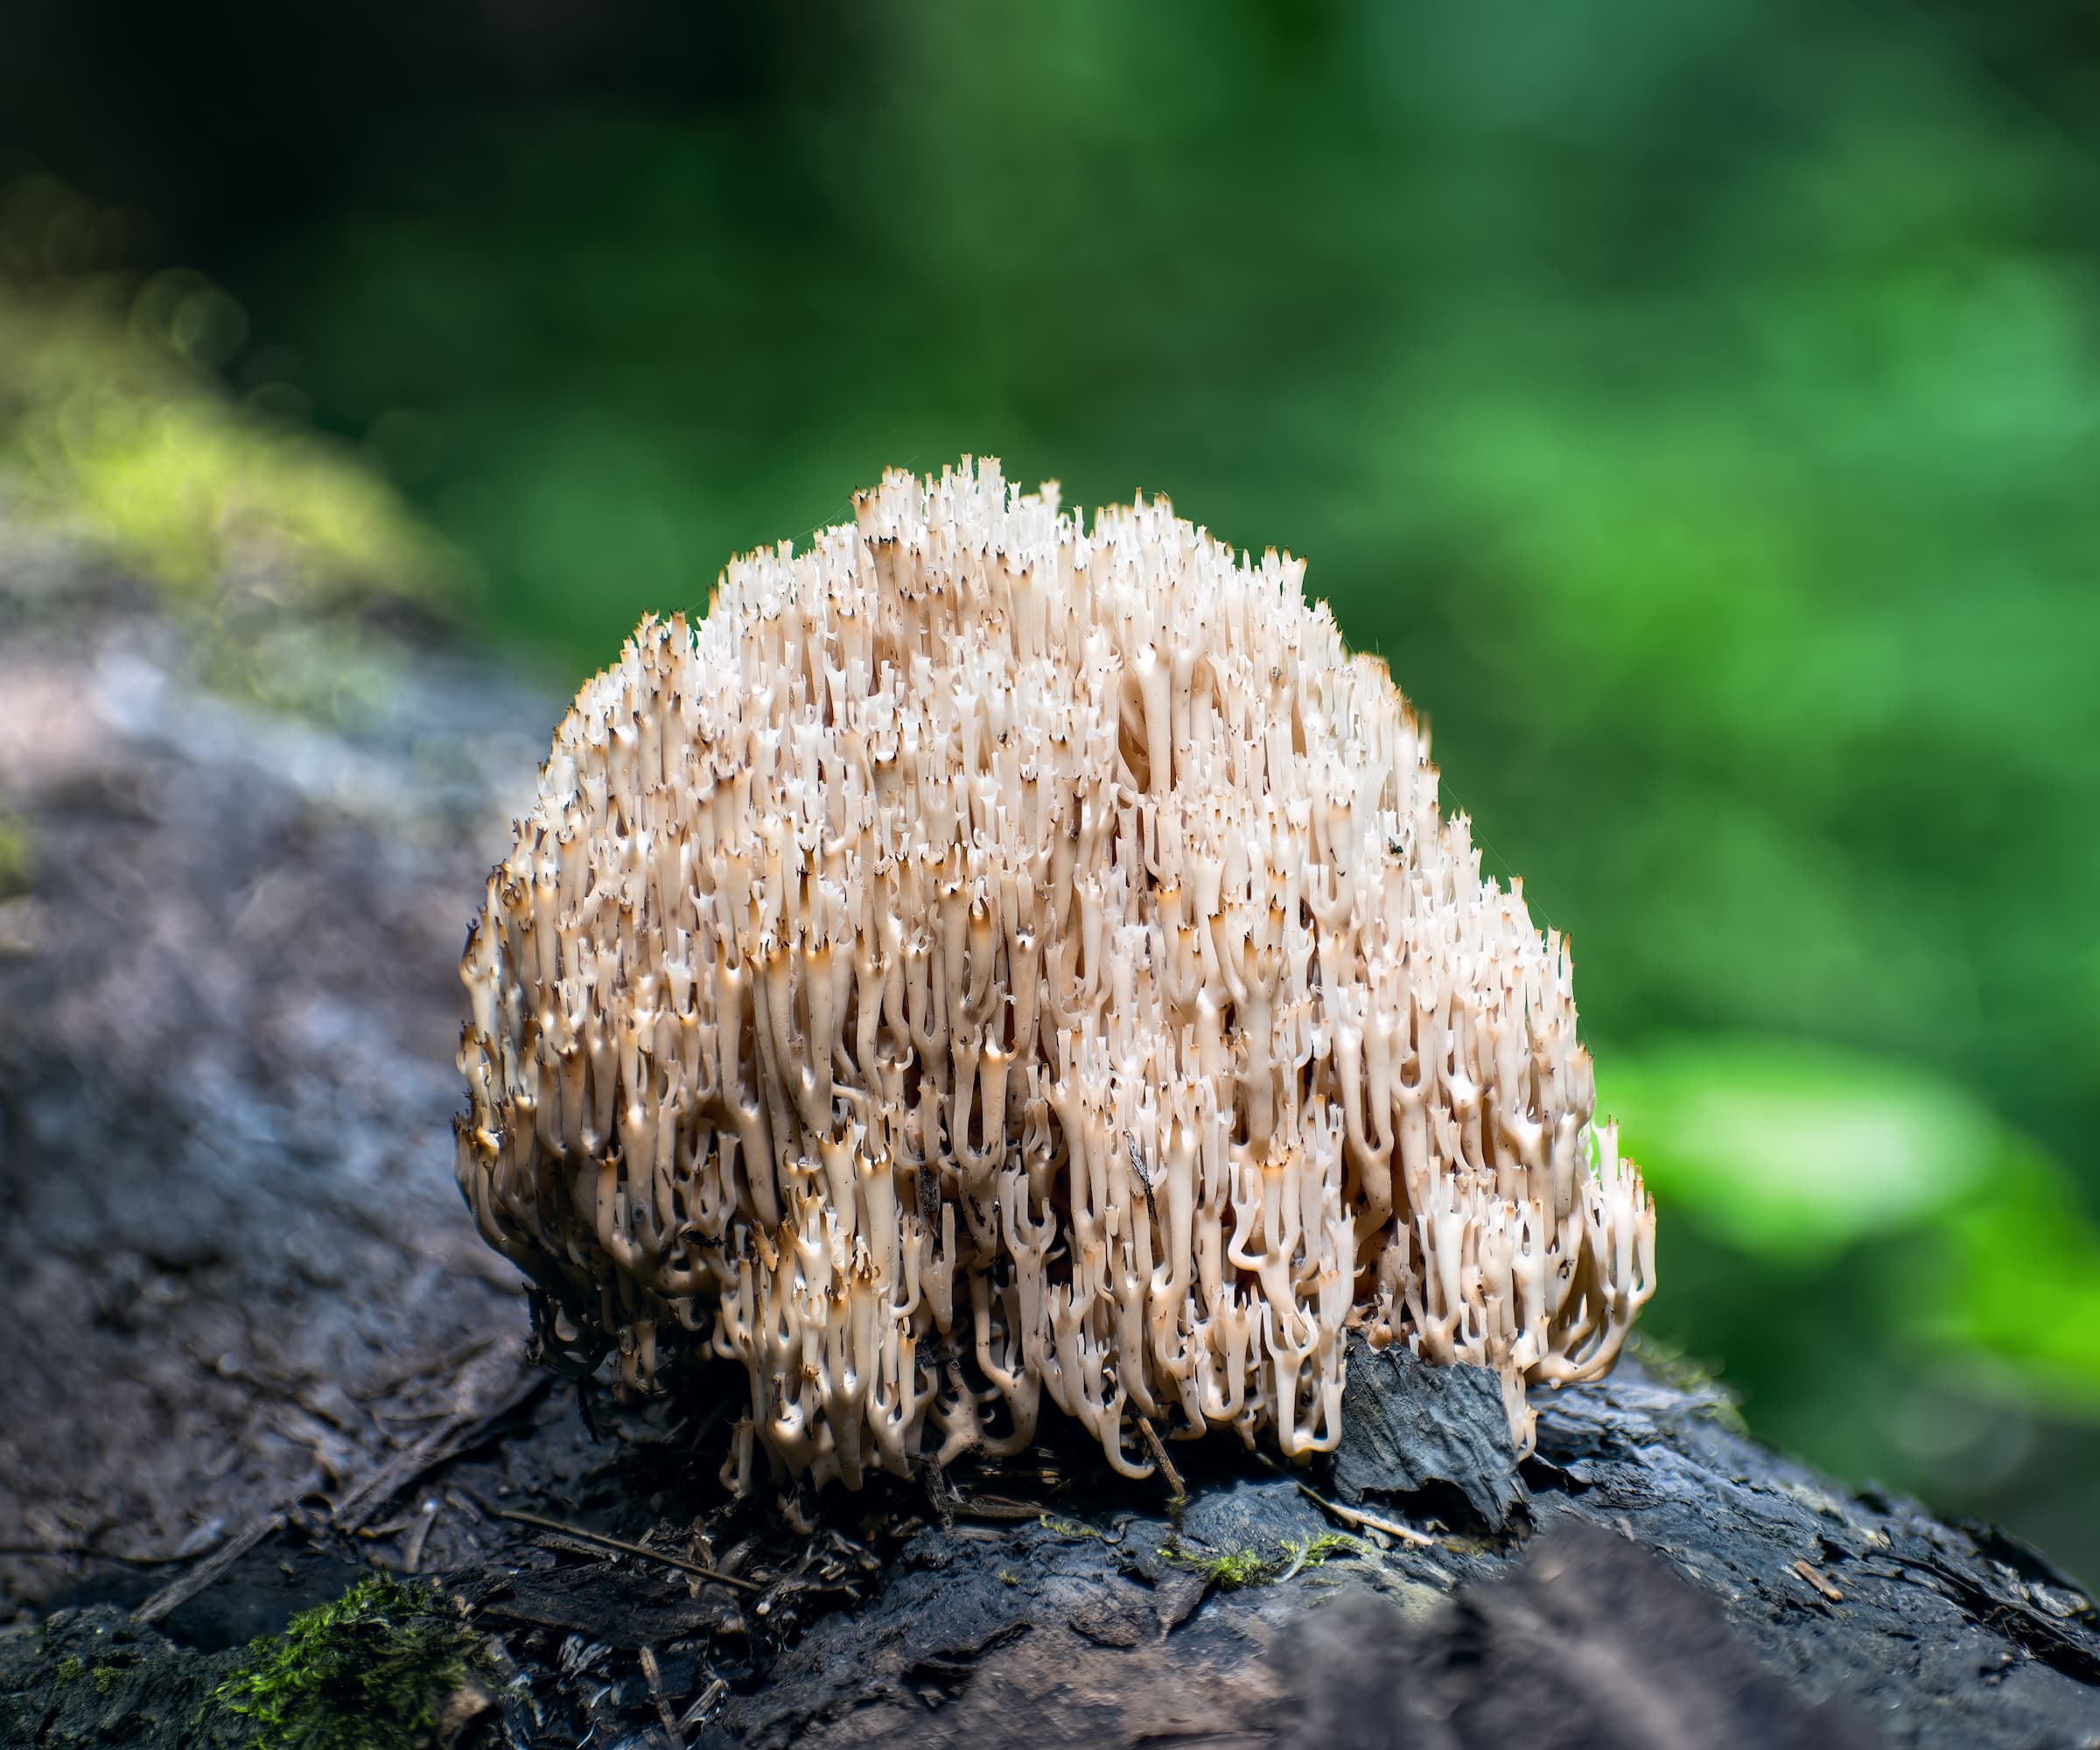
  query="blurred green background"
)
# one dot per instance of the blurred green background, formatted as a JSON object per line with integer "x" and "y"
{"x": 1697, "y": 404}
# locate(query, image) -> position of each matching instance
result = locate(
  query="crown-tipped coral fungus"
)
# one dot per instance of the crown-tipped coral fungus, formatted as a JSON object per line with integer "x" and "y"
{"x": 990, "y": 960}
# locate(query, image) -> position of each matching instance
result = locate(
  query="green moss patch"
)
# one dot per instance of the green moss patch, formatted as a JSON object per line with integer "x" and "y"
{"x": 1231, "y": 1570}
{"x": 112, "y": 428}
{"x": 371, "y": 1671}
{"x": 17, "y": 854}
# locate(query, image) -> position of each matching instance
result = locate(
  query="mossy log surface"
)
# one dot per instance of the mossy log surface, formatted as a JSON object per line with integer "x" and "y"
{"x": 257, "y": 1349}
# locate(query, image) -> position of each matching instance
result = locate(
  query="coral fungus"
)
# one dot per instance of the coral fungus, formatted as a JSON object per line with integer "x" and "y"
{"x": 990, "y": 958}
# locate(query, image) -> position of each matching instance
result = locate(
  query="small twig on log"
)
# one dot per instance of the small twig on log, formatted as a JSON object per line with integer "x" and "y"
{"x": 995, "y": 1507}
{"x": 570, "y": 1546}
{"x": 939, "y": 1493}
{"x": 426, "y": 1517}
{"x": 541, "y": 1523}
{"x": 180, "y": 1592}
{"x": 700, "y": 1709}
{"x": 653, "y": 1672}
{"x": 442, "y": 1358}
{"x": 1160, "y": 1458}
{"x": 447, "y": 1440}
{"x": 74, "y": 1552}
{"x": 1350, "y": 1515}
{"x": 1816, "y": 1580}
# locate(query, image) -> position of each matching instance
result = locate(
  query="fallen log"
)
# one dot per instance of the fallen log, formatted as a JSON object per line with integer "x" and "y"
{"x": 245, "y": 1295}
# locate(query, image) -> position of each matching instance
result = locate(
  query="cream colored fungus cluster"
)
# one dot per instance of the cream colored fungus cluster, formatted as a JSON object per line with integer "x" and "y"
{"x": 988, "y": 960}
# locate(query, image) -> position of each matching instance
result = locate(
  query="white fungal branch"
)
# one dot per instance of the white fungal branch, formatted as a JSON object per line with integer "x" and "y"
{"x": 987, "y": 959}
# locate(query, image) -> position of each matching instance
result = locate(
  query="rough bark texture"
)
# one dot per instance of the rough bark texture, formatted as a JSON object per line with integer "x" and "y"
{"x": 255, "y": 1345}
